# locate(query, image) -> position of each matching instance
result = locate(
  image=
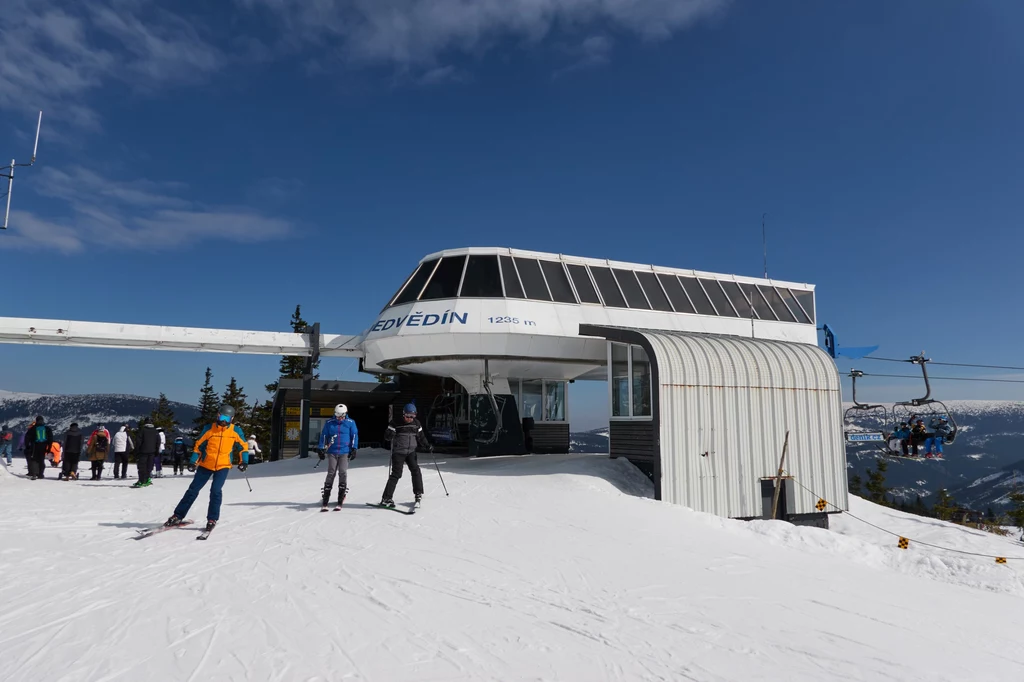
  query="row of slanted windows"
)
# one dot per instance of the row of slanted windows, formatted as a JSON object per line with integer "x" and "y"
{"x": 492, "y": 276}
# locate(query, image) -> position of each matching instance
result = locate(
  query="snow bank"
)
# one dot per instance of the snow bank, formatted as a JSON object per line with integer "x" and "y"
{"x": 535, "y": 568}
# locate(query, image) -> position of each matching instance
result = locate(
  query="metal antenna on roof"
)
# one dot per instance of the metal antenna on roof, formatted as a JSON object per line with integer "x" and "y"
{"x": 764, "y": 244}
{"x": 10, "y": 172}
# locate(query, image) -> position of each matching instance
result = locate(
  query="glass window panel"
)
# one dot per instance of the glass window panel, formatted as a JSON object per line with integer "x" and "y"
{"x": 631, "y": 288}
{"x": 482, "y": 278}
{"x": 761, "y": 306}
{"x": 412, "y": 289}
{"x": 584, "y": 287}
{"x": 718, "y": 297}
{"x": 806, "y": 299}
{"x": 445, "y": 282}
{"x": 655, "y": 295}
{"x": 790, "y": 300}
{"x": 738, "y": 298}
{"x": 533, "y": 399}
{"x": 554, "y": 401}
{"x": 777, "y": 304}
{"x": 391, "y": 301}
{"x": 533, "y": 281}
{"x": 641, "y": 382}
{"x": 609, "y": 289}
{"x": 513, "y": 385}
{"x": 675, "y": 293}
{"x": 513, "y": 289}
{"x": 558, "y": 281}
{"x": 697, "y": 295}
{"x": 620, "y": 380}
{"x": 315, "y": 425}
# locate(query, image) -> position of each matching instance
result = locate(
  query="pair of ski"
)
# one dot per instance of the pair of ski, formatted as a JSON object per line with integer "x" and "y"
{"x": 149, "y": 532}
{"x": 407, "y": 512}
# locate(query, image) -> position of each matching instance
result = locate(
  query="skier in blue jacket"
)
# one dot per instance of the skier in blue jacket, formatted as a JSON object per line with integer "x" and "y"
{"x": 339, "y": 440}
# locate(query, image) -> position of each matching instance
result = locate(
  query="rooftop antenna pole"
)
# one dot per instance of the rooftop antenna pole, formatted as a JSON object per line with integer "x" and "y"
{"x": 764, "y": 244}
{"x": 10, "y": 172}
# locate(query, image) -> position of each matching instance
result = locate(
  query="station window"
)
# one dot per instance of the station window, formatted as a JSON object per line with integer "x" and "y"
{"x": 619, "y": 379}
{"x": 554, "y": 401}
{"x": 533, "y": 280}
{"x": 640, "y": 372}
{"x": 777, "y": 304}
{"x": 558, "y": 281}
{"x": 584, "y": 287}
{"x": 791, "y": 301}
{"x": 543, "y": 400}
{"x": 738, "y": 299}
{"x": 482, "y": 278}
{"x": 609, "y": 289}
{"x": 513, "y": 288}
{"x": 649, "y": 282}
{"x": 697, "y": 294}
{"x": 445, "y": 282}
{"x": 415, "y": 285}
{"x": 391, "y": 301}
{"x": 761, "y": 307}
{"x": 718, "y": 297}
{"x": 631, "y": 288}
{"x": 629, "y": 378}
{"x": 676, "y": 294}
{"x": 806, "y": 299}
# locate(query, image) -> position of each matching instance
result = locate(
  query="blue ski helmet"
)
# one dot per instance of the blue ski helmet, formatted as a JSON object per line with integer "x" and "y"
{"x": 409, "y": 409}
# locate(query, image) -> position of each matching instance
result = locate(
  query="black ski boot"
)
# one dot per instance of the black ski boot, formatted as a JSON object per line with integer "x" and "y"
{"x": 419, "y": 500}
{"x": 173, "y": 521}
{"x": 390, "y": 504}
{"x": 341, "y": 498}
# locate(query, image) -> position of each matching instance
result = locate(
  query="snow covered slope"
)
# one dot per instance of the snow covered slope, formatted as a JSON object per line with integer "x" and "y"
{"x": 535, "y": 568}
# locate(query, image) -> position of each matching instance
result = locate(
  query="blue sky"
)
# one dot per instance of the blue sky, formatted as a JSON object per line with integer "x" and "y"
{"x": 216, "y": 164}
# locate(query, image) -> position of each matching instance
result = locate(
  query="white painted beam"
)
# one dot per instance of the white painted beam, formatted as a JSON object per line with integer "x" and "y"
{"x": 25, "y": 330}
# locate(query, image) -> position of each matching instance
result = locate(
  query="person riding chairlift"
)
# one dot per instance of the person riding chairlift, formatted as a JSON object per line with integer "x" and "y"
{"x": 941, "y": 429}
{"x": 918, "y": 435}
{"x": 900, "y": 439}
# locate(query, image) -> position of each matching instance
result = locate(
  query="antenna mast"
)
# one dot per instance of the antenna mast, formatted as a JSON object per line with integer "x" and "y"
{"x": 764, "y": 244}
{"x": 10, "y": 171}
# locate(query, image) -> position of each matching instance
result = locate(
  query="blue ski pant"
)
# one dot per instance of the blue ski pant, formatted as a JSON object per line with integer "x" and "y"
{"x": 198, "y": 483}
{"x": 934, "y": 443}
{"x": 5, "y": 451}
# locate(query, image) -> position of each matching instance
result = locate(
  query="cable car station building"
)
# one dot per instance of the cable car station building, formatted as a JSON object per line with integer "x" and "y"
{"x": 706, "y": 373}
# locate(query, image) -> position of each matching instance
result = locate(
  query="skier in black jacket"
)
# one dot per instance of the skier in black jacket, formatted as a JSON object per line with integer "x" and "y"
{"x": 72, "y": 453}
{"x": 146, "y": 451}
{"x": 405, "y": 435}
{"x": 37, "y": 443}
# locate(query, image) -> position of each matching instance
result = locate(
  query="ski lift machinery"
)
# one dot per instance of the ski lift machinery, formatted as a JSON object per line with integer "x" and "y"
{"x": 902, "y": 408}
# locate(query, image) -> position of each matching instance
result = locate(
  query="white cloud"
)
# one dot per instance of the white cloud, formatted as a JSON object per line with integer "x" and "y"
{"x": 54, "y": 52}
{"x": 414, "y": 34}
{"x": 135, "y": 214}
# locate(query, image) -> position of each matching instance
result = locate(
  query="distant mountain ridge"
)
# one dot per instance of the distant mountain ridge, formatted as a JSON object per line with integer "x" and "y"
{"x": 88, "y": 410}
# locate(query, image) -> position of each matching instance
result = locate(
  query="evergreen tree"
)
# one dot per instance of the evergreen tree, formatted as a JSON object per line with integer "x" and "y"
{"x": 1016, "y": 510}
{"x": 292, "y": 367}
{"x": 876, "y": 487}
{"x": 855, "y": 485}
{"x": 259, "y": 425}
{"x": 990, "y": 515}
{"x": 209, "y": 403}
{"x": 944, "y": 505}
{"x": 236, "y": 398}
{"x": 163, "y": 415}
{"x": 919, "y": 507}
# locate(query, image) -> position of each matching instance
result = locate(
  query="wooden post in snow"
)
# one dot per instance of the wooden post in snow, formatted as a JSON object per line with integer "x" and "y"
{"x": 778, "y": 478}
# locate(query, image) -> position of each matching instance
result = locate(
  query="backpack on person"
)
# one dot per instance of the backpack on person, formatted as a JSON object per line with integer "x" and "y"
{"x": 102, "y": 442}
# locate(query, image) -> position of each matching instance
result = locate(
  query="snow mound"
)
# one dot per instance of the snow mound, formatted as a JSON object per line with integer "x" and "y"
{"x": 534, "y": 568}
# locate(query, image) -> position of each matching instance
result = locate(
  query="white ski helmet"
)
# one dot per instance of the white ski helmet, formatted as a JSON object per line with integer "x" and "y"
{"x": 340, "y": 411}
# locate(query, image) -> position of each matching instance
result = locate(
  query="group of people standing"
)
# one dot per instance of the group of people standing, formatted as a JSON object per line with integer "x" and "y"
{"x": 149, "y": 445}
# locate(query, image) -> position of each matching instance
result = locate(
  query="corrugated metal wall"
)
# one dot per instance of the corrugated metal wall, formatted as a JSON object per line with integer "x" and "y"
{"x": 725, "y": 406}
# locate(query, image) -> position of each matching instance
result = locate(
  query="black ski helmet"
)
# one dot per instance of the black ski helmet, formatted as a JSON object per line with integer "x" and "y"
{"x": 226, "y": 411}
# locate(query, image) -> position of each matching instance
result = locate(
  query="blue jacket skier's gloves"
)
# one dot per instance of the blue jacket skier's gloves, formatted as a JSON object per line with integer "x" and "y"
{"x": 192, "y": 467}
{"x": 352, "y": 453}
{"x": 243, "y": 466}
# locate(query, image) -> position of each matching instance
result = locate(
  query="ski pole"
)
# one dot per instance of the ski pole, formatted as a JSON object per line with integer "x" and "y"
{"x": 247, "y": 481}
{"x": 439, "y": 472}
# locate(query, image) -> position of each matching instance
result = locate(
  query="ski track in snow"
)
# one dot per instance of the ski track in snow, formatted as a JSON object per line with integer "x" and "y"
{"x": 535, "y": 568}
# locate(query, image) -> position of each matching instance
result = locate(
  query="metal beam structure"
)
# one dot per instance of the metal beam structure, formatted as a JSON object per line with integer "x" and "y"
{"x": 23, "y": 330}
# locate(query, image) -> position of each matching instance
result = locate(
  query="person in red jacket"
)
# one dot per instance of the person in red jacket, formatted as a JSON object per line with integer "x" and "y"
{"x": 98, "y": 447}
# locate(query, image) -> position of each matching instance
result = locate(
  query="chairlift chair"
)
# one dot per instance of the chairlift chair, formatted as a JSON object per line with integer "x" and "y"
{"x": 927, "y": 402}
{"x": 878, "y": 411}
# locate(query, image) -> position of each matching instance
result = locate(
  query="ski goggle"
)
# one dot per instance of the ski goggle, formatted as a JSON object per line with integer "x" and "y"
{"x": 224, "y": 418}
